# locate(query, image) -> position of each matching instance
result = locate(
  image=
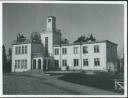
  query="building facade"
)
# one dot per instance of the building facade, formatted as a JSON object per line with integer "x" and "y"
{"x": 51, "y": 54}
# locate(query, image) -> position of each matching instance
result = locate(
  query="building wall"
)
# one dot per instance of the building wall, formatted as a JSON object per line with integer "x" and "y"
{"x": 70, "y": 56}
{"x": 111, "y": 56}
{"x": 21, "y": 57}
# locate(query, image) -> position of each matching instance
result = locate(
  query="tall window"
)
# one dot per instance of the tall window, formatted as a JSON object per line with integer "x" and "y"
{"x": 16, "y": 63}
{"x": 85, "y": 62}
{"x": 96, "y": 61}
{"x": 25, "y": 65}
{"x": 19, "y": 50}
{"x": 96, "y": 48}
{"x": 64, "y": 62}
{"x": 16, "y": 50}
{"x": 22, "y": 63}
{"x": 46, "y": 45}
{"x": 75, "y": 50}
{"x": 22, "y": 49}
{"x": 56, "y": 51}
{"x": 57, "y": 63}
{"x": 85, "y": 49}
{"x": 64, "y": 50}
{"x": 25, "y": 49}
{"x": 76, "y": 62}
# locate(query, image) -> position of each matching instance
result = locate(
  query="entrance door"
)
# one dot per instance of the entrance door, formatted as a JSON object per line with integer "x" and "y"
{"x": 34, "y": 64}
{"x": 39, "y": 64}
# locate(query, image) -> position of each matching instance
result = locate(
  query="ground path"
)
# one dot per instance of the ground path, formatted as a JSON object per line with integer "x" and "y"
{"x": 39, "y": 83}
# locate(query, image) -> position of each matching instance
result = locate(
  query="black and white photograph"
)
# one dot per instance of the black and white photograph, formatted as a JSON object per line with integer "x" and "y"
{"x": 64, "y": 49}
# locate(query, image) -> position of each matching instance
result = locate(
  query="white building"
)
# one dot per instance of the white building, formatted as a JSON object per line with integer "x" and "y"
{"x": 51, "y": 54}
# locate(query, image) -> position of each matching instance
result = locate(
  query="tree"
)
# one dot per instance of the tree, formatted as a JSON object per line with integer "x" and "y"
{"x": 21, "y": 37}
{"x": 85, "y": 39}
{"x": 65, "y": 41}
{"x": 4, "y": 59}
{"x": 9, "y": 61}
{"x": 35, "y": 37}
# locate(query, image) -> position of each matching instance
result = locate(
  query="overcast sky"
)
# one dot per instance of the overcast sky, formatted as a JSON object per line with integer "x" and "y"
{"x": 104, "y": 21}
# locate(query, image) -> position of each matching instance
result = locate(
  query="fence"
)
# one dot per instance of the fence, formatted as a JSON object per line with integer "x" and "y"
{"x": 119, "y": 84}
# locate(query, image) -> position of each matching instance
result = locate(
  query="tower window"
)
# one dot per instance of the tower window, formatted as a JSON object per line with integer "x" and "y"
{"x": 49, "y": 20}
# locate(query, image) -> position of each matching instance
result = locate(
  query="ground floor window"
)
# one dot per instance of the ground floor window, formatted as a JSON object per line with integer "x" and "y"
{"x": 85, "y": 62}
{"x": 39, "y": 64}
{"x": 97, "y": 61}
{"x": 56, "y": 63}
{"x": 64, "y": 62}
{"x": 21, "y": 64}
{"x": 76, "y": 62}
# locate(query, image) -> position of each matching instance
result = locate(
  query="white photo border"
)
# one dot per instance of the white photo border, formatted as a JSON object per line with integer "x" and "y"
{"x": 67, "y": 2}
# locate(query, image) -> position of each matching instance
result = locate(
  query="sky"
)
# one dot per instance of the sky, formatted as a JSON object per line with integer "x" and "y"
{"x": 104, "y": 21}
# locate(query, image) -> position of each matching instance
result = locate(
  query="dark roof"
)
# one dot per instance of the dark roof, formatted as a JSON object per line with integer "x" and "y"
{"x": 92, "y": 42}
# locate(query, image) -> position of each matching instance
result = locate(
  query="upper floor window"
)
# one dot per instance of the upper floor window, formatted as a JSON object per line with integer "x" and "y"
{"x": 97, "y": 61}
{"x": 22, "y": 49}
{"x": 25, "y": 49}
{"x": 85, "y": 62}
{"x": 16, "y": 50}
{"x": 96, "y": 48}
{"x": 75, "y": 50}
{"x": 64, "y": 50}
{"x": 76, "y": 62}
{"x": 85, "y": 49}
{"x": 64, "y": 62}
{"x": 56, "y": 51}
{"x": 19, "y": 50}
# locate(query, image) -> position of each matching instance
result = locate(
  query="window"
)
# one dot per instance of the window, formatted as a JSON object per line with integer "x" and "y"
{"x": 25, "y": 49}
{"x": 22, "y": 49}
{"x": 76, "y": 62}
{"x": 46, "y": 45}
{"x": 18, "y": 63}
{"x": 56, "y": 51}
{"x": 64, "y": 50}
{"x": 75, "y": 50}
{"x": 96, "y": 48}
{"x": 96, "y": 61}
{"x": 19, "y": 50}
{"x": 22, "y": 63}
{"x": 64, "y": 62}
{"x": 49, "y": 20}
{"x": 57, "y": 63}
{"x": 16, "y": 50}
{"x": 25, "y": 65}
{"x": 85, "y": 62}
{"x": 85, "y": 49}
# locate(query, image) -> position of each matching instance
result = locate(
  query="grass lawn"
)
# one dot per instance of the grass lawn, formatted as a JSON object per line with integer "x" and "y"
{"x": 99, "y": 80}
